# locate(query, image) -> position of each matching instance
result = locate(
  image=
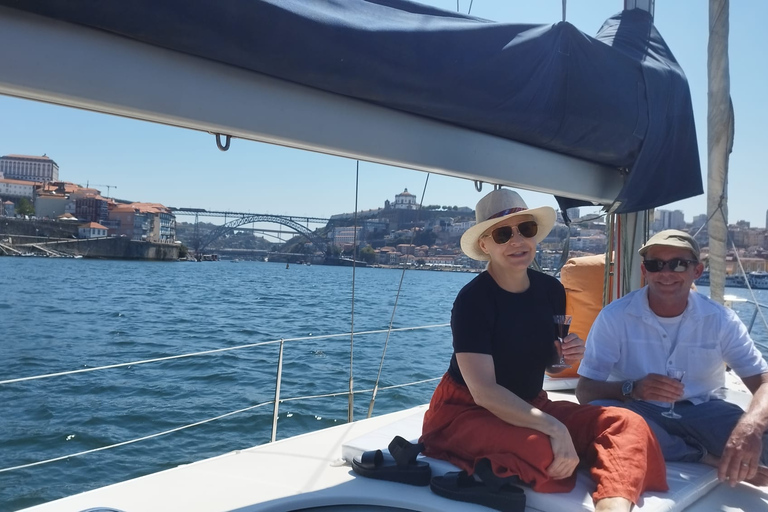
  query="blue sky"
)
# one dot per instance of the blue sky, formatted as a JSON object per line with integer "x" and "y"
{"x": 177, "y": 167}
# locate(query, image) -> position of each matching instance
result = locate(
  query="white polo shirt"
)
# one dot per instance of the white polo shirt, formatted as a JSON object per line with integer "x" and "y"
{"x": 627, "y": 342}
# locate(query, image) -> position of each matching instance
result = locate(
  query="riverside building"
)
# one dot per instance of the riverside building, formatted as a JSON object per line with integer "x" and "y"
{"x": 29, "y": 168}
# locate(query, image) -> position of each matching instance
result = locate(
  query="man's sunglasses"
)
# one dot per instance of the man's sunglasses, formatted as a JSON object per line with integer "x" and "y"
{"x": 675, "y": 265}
{"x": 527, "y": 229}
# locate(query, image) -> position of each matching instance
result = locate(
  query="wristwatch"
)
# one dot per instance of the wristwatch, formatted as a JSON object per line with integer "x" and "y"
{"x": 627, "y": 387}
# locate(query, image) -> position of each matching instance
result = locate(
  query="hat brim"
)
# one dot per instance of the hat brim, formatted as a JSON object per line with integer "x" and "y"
{"x": 544, "y": 216}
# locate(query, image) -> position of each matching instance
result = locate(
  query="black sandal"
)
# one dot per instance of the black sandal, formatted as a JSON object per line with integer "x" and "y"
{"x": 493, "y": 491}
{"x": 400, "y": 466}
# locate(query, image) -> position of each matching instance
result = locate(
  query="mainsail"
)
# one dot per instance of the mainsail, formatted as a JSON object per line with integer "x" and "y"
{"x": 720, "y": 128}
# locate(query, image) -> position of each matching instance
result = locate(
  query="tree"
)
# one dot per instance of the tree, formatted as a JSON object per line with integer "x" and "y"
{"x": 24, "y": 207}
{"x": 367, "y": 254}
{"x": 427, "y": 237}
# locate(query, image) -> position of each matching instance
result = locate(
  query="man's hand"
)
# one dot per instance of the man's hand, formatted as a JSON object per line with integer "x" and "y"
{"x": 573, "y": 348}
{"x": 741, "y": 454}
{"x": 566, "y": 459}
{"x": 659, "y": 388}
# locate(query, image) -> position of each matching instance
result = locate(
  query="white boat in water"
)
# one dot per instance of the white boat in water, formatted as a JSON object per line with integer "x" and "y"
{"x": 754, "y": 280}
{"x": 88, "y": 56}
{"x": 736, "y": 281}
{"x": 758, "y": 280}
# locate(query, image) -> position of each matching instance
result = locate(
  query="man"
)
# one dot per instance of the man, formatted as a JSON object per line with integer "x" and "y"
{"x": 666, "y": 324}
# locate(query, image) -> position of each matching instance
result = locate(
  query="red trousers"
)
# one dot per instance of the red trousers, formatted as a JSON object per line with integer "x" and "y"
{"x": 622, "y": 454}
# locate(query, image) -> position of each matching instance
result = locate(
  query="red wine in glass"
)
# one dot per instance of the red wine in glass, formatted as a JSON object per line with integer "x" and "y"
{"x": 562, "y": 324}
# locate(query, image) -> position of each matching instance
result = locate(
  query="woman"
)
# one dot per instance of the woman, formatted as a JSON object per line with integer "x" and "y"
{"x": 490, "y": 404}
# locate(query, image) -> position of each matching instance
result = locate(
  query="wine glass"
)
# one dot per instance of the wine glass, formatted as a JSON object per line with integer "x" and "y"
{"x": 677, "y": 374}
{"x": 562, "y": 324}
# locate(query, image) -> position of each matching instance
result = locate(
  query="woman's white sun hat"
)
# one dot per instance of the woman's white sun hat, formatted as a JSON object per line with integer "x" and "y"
{"x": 499, "y": 206}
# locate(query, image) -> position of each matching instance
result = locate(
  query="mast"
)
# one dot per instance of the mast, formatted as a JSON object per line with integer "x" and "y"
{"x": 720, "y": 124}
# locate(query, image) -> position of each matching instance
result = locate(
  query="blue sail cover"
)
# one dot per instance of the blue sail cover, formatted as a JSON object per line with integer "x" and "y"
{"x": 618, "y": 99}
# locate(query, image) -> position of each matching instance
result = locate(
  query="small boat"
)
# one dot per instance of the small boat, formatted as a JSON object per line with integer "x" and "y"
{"x": 736, "y": 281}
{"x": 758, "y": 280}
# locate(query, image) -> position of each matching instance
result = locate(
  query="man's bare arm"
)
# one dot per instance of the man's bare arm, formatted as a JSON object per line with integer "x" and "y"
{"x": 651, "y": 387}
{"x": 588, "y": 390}
{"x": 741, "y": 455}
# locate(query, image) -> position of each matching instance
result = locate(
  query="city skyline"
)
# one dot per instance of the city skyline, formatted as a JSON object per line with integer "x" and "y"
{"x": 147, "y": 162}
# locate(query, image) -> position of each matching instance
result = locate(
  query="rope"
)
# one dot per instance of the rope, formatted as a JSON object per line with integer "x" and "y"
{"x": 394, "y": 309}
{"x": 206, "y": 352}
{"x": 607, "y": 297}
{"x": 719, "y": 208}
{"x": 566, "y": 252}
{"x": 617, "y": 274}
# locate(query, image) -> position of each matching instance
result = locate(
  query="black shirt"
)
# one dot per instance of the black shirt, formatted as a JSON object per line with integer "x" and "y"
{"x": 517, "y": 329}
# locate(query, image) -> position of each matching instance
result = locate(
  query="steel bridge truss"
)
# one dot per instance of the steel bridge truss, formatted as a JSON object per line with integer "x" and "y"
{"x": 318, "y": 242}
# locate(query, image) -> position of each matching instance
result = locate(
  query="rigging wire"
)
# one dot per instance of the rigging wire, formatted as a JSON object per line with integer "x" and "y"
{"x": 351, "y": 404}
{"x": 202, "y": 422}
{"x": 721, "y": 209}
{"x": 743, "y": 273}
{"x": 206, "y": 352}
{"x": 394, "y": 309}
{"x": 131, "y": 441}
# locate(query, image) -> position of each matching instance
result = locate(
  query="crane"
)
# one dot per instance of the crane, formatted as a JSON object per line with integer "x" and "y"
{"x": 109, "y": 187}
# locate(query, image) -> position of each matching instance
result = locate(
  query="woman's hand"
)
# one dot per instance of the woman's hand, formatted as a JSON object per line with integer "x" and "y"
{"x": 479, "y": 373}
{"x": 565, "y": 458}
{"x": 573, "y": 348}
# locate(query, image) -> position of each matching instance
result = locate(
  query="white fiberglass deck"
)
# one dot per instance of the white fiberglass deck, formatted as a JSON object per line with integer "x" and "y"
{"x": 308, "y": 471}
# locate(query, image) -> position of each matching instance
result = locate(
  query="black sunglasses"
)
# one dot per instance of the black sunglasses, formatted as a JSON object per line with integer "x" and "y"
{"x": 675, "y": 265}
{"x": 527, "y": 229}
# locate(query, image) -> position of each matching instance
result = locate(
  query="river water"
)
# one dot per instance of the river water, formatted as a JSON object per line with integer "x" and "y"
{"x": 59, "y": 315}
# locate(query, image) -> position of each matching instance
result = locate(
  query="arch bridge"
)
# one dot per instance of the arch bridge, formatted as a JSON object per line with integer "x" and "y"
{"x": 241, "y": 219}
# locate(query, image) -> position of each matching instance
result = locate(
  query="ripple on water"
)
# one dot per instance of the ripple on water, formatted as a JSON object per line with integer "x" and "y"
{"x": 177, "y": 309}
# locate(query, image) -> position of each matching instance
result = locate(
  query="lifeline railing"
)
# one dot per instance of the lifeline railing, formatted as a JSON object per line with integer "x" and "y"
{"x": 276, "y": 402}
{"x": 758, "y": 310}
{"x": 278, "y": 379}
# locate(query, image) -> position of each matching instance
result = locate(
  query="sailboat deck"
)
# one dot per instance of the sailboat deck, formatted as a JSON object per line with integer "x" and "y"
{"x": 310, "y": 471}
